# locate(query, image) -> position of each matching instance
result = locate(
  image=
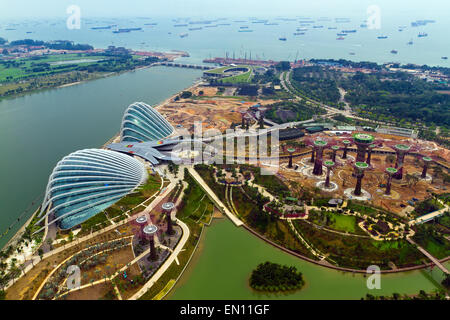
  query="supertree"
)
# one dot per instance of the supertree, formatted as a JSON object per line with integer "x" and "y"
{"x": 167, "y": 209}
{"x": 390, "y": 171}
{"x": 329, "y": 165}
{"x": 401, "y": 150}
{"x": 360, "y": 168}
{"x": 318, "y": 144}
{"x": 426, "y": 163}
{"x": 363, "y": 142}
{"x": 291, "y": 151}
{"x": 347, "y": 143}
{"x": 149, "y": 233}
{"x": 335, "y": 149}
{"x": 141, "y": 222}
{"x": 369, "y": 153}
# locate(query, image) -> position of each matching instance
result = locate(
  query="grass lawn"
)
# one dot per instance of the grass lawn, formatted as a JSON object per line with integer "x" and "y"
{"x": 344, "y": 223}
{"x": 241, "y": 78}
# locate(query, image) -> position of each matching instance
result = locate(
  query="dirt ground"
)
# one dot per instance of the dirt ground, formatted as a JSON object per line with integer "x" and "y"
{"x": 214, "y": 113}
{"x": 91, "y": 293}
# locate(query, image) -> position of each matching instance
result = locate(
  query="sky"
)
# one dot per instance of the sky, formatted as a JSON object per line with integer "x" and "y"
{"x": 416, "y": 9}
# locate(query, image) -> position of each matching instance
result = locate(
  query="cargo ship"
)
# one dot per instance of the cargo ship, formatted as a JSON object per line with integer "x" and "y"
{"x": 101, "y": 28}
{"x": 125, "y": 30}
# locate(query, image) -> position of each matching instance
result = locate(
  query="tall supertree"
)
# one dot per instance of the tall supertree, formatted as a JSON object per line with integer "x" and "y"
{"x": 347, "y": 143}
{"x": 329, "y": 165}
{"x": 390, "y": 171}
{"x": 360, "y": 168}
{"x": 369, "y": 153}
{"x": 167, "y": 209}
{"x": 362, "y": 141}
{"x": 291, "y": 151}
{"x": 335, "y": 149}
{"x": 149, "y": 233}
{"x": 426, "y": 163}
{"x": 401, "y": 150}
{"x": 318, "y": 144}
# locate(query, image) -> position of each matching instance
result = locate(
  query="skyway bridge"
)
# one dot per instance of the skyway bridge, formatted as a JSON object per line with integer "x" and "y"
{"x": 184, "y": 65}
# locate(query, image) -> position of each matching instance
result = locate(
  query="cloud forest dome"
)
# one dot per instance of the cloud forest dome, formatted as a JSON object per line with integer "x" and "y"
{"x": 141, "y": 122}
{"x": 87, "y": 182}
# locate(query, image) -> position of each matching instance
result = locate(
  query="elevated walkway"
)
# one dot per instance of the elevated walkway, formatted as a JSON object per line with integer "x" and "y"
{"x": 213, "y": 197}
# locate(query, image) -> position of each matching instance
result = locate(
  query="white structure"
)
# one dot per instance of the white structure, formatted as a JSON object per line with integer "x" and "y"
{"x": 404, "y": 132}
{"x": 87, "y": 182}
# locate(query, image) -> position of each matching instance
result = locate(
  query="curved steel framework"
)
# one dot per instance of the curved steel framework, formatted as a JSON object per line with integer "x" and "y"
{"x": 87, "y": 182}
{"x": 141, "y": 123}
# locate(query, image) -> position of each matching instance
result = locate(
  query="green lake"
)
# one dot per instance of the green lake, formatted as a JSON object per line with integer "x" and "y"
{"x": 227, "y": 255}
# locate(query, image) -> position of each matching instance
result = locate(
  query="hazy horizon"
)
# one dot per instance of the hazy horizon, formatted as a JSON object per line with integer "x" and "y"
{"x": 26, "y": 9}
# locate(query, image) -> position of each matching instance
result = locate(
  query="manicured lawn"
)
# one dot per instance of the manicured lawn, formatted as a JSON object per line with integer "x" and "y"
{"x": 241, "y": 78}
{"x": 344, "y": 223}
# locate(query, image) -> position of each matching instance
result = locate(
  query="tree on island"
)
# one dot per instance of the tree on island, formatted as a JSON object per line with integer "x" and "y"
{"x": 273, "y": 277}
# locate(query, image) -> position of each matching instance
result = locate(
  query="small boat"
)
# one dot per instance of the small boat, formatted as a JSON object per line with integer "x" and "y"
{"x": 282, "y": 39}
{"x": 332, "y": 28}
{"x": 183, "y": 35}
{"x": 246, "y": 30}
{"x": 394, "y": 51}
{"x": 444, "y": 58}
{"x": 352, "y": 53}
{"x": 340, "y": 38}
{"x": 410, "y": 42}
{"x": 382, "y": 37}
{"x": 422, "y": 34}
{"x": 299, "y": 33}
{"x": 341, "y": 34}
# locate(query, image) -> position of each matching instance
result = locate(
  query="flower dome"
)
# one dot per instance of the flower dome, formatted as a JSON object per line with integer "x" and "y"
{"x": 87, "y": 182}
{"x": 141, "y": 122}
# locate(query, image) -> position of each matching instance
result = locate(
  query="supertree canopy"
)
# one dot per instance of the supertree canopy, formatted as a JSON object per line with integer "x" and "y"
{"x": 390, "y": 172}
{"x": 401, "y": 149}
{"x": 291, "y": 151}
{"x": 362, "y": 141}
{"x": 360, "y": 168}
{"x": 426, "y": 162}
{"x": 346, "y": 143}
{"x": 335, "y": 149}
{"x": 319, "y": 144}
